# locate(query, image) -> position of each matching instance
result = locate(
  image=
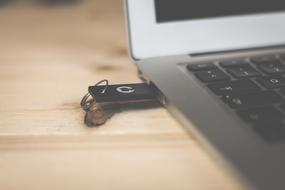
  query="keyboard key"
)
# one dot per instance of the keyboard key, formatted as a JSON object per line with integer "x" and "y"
{"x": 282, "y": 57}
{"x": 272, "y": 81}
{"x": 243, "y": 71}
{"x": 239, "y": 101}
{"x": 201, "y": 67}
{"x": 271, "y": 132}
{"x": 282, "y": 107}
{"x": 233, "y": 63}
{"x": 282, "y": 90}
{"x": 260, "y": 114}
{"x": 264, "y": 59}
{"x": 228, "y": 87}
{"x": 275, "y": 67}
{"x": 212, "y": 75}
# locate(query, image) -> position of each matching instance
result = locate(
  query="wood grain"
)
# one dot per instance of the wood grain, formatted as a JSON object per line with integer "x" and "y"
{"x": 48, "y": 57}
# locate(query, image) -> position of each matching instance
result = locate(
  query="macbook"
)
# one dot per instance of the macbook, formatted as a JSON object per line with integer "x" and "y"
{"x": 220, "y": 68}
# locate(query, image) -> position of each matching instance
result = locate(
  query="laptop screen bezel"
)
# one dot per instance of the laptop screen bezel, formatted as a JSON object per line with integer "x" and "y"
{"x": 151, "y": 39}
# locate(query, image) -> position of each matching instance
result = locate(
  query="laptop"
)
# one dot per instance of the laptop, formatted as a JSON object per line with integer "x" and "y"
{"x": 220, "y": 68}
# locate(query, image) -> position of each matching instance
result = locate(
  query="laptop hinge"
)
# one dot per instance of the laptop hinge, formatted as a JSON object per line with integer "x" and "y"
{"x": 244, "y": 50}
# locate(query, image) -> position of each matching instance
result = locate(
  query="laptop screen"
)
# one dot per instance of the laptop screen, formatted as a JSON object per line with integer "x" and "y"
{"x": 177, "y": 10}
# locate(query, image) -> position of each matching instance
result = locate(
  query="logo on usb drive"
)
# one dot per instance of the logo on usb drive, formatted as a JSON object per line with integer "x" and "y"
{"x": 125, "y": 89}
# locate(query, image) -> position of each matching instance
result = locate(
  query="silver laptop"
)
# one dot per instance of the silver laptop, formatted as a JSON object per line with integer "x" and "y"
{"x": 220, "y": 68}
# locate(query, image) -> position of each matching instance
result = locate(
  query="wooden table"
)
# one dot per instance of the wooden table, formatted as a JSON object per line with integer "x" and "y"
{"x": 48, "y": 57}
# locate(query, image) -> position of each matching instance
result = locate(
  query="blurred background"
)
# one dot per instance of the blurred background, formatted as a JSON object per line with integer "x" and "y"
{"x": 65, "y": 25}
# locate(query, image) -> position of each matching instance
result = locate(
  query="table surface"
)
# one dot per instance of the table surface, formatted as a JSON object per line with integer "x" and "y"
{"x": 48, "y": 57}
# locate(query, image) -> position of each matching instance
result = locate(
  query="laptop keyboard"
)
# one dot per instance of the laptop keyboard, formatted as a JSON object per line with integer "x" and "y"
{"x": 253, "y": 87}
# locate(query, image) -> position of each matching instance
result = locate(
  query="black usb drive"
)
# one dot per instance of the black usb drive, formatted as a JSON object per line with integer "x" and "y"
{"x": 109, "y": 99}
{"x": 122, "y": 92}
